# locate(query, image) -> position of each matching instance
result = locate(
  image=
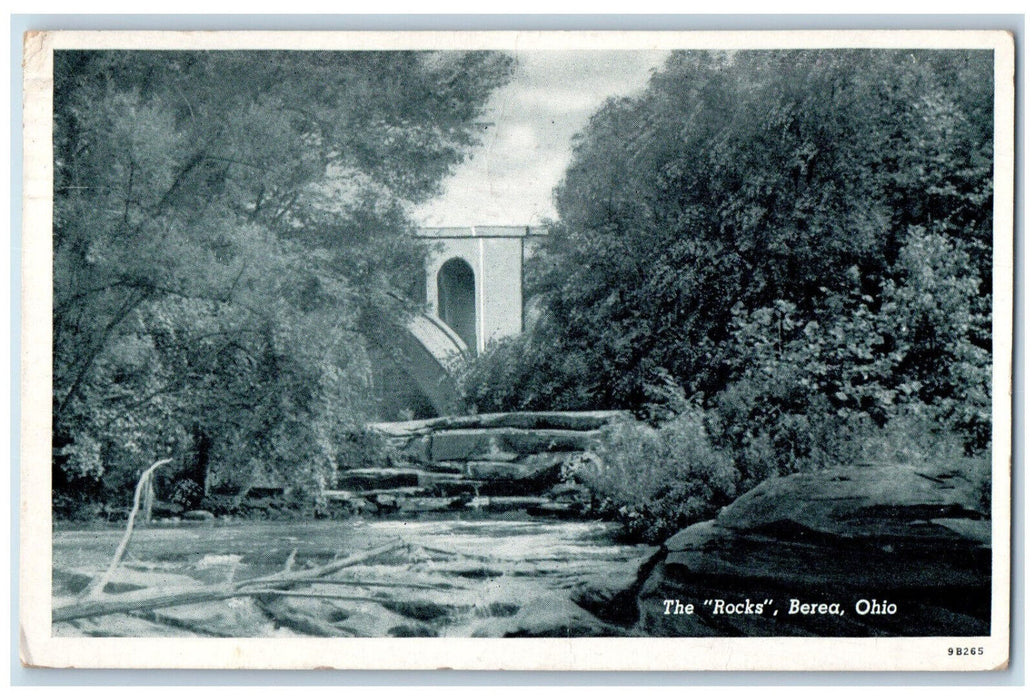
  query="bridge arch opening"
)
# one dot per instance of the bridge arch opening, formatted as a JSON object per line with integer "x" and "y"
{"x": 456, "y": 300}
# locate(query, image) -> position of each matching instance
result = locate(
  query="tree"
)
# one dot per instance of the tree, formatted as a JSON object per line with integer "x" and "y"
{"x": 820, "y": 218}
{"x": 230, "y": 233}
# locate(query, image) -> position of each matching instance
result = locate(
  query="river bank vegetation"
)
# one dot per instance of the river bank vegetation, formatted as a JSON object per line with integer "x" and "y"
{"x": 779, "y": 261}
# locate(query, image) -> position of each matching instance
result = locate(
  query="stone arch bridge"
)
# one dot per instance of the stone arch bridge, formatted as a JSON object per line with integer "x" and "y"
{"x": 475, "y": 292}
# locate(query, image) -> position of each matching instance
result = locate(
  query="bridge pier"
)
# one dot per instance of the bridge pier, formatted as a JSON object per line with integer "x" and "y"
{"x": 475, "y": 279}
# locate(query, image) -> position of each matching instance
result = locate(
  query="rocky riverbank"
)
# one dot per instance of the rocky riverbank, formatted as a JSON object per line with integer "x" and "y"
{"x": 855, "y": 551}
{"x": 900, "y": 550}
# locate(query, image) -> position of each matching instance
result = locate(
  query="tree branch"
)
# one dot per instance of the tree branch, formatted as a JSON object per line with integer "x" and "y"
{"x": 145, "y": 479}
{"x": 170, "y": 597}
{"x": 95, "y": 351}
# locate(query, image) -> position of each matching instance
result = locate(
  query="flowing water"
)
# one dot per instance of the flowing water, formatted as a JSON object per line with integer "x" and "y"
{"x": 439, "y": 577}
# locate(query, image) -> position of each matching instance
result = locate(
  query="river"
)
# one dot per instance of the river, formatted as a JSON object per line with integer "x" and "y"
{"x": 462, "y": 577}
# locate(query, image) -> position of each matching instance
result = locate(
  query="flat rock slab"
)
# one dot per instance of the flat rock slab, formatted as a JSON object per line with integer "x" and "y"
{"x": 486, "y": 444}
{"x": 499, "y": 470}
{"x": 857, "y": 501}
{"x": 431, "y": 505}
{"x": 560, "y": 420}
{"x": 368, "y": 479}
{"x": 500, "y": 504}
{"x": 412, "y": 448}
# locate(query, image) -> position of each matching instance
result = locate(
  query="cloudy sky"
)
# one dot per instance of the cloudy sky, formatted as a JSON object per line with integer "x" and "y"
{"x": 510, "y": 178}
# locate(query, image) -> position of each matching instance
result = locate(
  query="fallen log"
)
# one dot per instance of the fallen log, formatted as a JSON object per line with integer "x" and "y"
{"x": 361, "y": 583}
{"x": 170, "y": 597}
{"x": 328, "y": 569}
{"x": 147, "y": 599}
{"x": 456, "y": 555}
{"x": 280, "y": 593}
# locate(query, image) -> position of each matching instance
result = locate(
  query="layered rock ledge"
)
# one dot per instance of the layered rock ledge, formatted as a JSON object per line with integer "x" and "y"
{"x": 490, "y": 462}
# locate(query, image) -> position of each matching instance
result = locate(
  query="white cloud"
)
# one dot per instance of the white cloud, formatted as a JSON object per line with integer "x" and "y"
{"x": 510, "y": 179}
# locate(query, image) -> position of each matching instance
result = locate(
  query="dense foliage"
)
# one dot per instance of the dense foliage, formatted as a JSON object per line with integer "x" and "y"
{"x": 656, "y": 480}
{"x": 799, "y": 240}
{"x": 229, "y": 240}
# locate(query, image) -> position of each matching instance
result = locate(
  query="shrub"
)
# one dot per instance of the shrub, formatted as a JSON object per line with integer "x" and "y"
{"x": 363, "y": 448}
{"x": 768, "y": 428}
{"x": 657, "y": 480}
{"x": 528, "y": 373}
{"x": 912, "y": 438}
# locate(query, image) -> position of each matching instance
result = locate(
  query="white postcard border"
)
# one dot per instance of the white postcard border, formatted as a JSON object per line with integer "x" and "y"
{"x": 39, "y": 648}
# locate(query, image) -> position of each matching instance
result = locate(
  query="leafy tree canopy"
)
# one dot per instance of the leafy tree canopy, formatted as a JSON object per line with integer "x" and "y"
{"x": 229, "y": 234}
{"x": 777, "y": 232}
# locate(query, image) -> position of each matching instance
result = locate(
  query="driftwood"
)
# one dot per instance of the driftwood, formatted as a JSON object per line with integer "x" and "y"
{"x": 327, "y": 569}
{"x": 147, "y": 503}
{"x": 363, "y": 583}
{"x": 173, "y": 596}
{"x": 290, "y": 563}
{"x": 454, "y": 555}
{"x": 280, "y": 593}
{"x": 143, "y": 600}
{"x": 285, "y": 616}
{"x": 97, "y": 587}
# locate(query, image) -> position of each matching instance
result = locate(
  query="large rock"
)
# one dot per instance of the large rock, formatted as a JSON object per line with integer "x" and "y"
{"x": 914, "y": 537}
{"x": 861, "y": 501}
{"x": 612, "y": 596}
{"x": 412, "y": 448}
{"x": 514, "y": 471}
{"x": 514, "y": 478}
{"x": 498, "y": 455}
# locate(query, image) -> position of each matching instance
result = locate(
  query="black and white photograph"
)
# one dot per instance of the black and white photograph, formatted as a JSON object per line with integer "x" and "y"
{"x": 569, "y": 351}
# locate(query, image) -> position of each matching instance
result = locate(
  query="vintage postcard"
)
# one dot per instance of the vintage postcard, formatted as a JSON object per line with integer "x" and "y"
{"x": 517, "y": 350}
